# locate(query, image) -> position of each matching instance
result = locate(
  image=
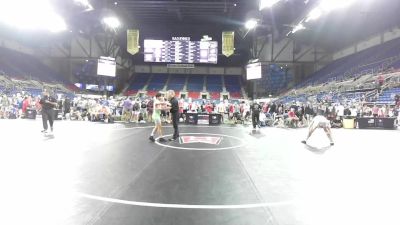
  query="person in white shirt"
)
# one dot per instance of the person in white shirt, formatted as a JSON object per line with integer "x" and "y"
{"x": 319, "y": 122}
{"x": 221, "y": 111}
{"x": 194, "y": 107}
{"x": 353, "y": 111}
{"x": 340, "y": 111}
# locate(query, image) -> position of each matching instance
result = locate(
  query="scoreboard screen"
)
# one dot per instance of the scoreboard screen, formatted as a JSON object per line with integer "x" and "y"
{"x": 106, "y": 66}
{"x": 180, "y": 51}
{"x": 254, "y": 71}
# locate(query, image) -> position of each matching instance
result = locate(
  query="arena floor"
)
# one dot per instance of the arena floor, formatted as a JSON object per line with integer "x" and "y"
{"x": 106, "y": 174}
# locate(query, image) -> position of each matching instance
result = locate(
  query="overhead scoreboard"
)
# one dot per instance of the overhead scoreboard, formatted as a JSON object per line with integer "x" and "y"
{"x": 106, "y": 66}
{"x": 180, "y": 50}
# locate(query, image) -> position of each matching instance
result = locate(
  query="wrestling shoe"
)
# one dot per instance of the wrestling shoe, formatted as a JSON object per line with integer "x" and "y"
{"x": 151, "y": 138}
{"x": 332, "y": 143}
{"x": 304, "y": 142}
{"x": 162, "y": 140}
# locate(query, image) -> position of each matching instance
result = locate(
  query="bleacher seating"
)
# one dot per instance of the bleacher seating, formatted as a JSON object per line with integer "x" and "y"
{"x": 26, "y": 73}
{"x": 371, "y": 60}
{"x": 157, "y": 82}
{"x": 235, "y": 95}
{"x": 195, "y": 83}
{"x": 131, "y": 92}
{"x": 194, "y": 95}
{"x": 20, "y": 65}
{"x": 214, "y": 83}
{"x": 176, "y": 82}
{"x": 215, "y": 95}
{"x": 152, "y": 93}
{"x": 387, "y": 96}
{"x": 139, "y": 81}
{"x": 232, "y": 83}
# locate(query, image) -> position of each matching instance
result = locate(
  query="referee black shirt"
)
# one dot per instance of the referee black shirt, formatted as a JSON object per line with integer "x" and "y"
{"x": 174, "y": 105}
{"x": 45, "y": 102}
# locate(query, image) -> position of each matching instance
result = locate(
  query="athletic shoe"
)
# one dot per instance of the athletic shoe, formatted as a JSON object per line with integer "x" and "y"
{"x": 151, "y": 138}
{"x": 304, "y": 142}
{"x": 172, "y": 139}
{"x": 162, "y": 140}
{"x": 44, "y": 131}
{"x": 332, "y": 143}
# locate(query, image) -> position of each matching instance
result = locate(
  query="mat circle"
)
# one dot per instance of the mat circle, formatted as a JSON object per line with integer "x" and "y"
{"x": 242, "y": 143}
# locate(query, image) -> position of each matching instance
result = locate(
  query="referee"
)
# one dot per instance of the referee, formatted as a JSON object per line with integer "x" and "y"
{"x": 48, "y": 104}
{"x": 174, "y": 113}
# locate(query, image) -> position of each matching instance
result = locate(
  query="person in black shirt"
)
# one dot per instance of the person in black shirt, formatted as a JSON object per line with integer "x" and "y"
{"x": 67, "y": 107}
{"x": 48, "y": 104}
{"x": 174, "y": 110}
{"x": 256, "y": 109}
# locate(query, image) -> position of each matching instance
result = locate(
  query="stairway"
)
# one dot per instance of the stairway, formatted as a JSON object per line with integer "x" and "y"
{"x": 223, "y": 84}
{"x": 186, "y": 82}
{"x": 167, "y": 83}
{"x": 205, "y": 83}
{"x": 148, "y": 82}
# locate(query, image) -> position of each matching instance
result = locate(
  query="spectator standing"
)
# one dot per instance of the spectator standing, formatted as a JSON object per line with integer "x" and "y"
{"x": 375, "y": 111}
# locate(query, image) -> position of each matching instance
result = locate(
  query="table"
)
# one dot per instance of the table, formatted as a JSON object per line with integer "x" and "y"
{"x": 371, "y": 122}
{"x": 203, "y": 119}
{"x": 30, "y": 114}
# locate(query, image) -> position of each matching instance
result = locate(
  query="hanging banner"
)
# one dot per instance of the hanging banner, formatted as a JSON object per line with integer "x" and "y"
{"x": 228, "y": 43}
{"x": 132, "y": 41}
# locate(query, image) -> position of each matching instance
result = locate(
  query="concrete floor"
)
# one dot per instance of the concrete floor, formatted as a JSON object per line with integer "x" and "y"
{"x": 106, "y": 174}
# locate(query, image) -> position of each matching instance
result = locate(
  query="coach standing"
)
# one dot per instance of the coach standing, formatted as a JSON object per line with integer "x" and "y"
{"x": 48, "y": 104}
{"x": 174, "y": 113}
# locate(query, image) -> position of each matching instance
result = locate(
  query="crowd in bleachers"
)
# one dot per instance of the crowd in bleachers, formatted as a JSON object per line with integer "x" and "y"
{"x": 374, "y": 95}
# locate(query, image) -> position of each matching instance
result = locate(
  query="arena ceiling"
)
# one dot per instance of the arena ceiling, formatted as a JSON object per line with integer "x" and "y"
{"x": 347, "y": 26}
{"x": 165, "y": 18}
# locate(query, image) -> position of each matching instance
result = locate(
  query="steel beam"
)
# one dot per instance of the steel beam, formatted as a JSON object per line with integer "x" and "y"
{"x": 303, "y": 54}
{"x": 83, "y": 48}
{"x": 282, "y": 49}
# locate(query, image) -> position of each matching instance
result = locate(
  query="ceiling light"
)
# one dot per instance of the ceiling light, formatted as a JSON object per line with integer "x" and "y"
{"x": 84, "y": 3}
{"x": 299, "y": 26}
{"x": 314, "y": 14}
{"x": 35, "y": 15}
{"x": 267, "y": 4}
{"x": 251, "y": 24}
{"x": 112, "y": 22}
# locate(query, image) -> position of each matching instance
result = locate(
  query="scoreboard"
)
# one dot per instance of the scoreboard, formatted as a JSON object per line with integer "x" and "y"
{"x": 180, "y": 51}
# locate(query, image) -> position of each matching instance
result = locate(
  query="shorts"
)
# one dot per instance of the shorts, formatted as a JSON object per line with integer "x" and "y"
{"x": 157, "y": 120}
{"x": 323, "y": 125}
